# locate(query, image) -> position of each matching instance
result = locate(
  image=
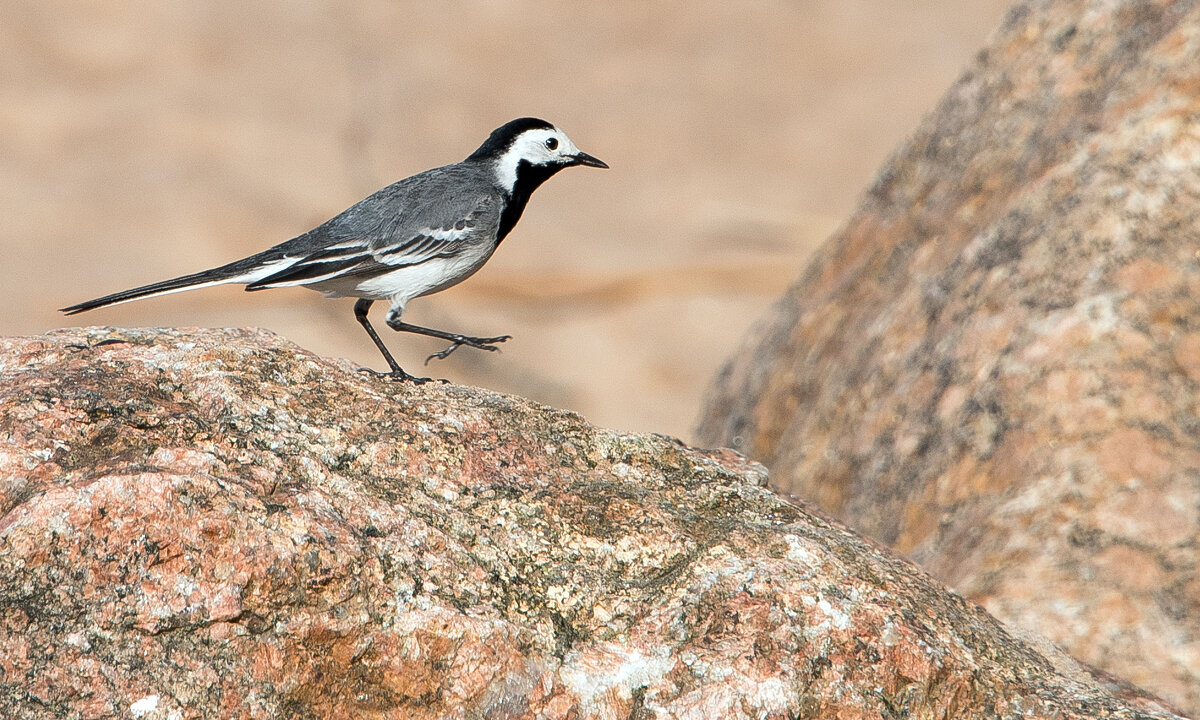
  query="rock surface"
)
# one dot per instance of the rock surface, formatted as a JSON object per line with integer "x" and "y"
{"x": 995, "y": 366}
{"x": 203, "y": 524}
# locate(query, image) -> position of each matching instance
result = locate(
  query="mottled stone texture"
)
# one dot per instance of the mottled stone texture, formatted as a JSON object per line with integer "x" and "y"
{"x": 995, "y": 366}
{"x": 204, "y": 524}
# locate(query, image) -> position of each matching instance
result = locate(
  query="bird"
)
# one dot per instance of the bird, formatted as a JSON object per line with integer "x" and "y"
{"x": 415, "y": 237}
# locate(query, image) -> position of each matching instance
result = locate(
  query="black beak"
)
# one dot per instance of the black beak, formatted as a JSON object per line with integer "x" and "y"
{"x": 585, "y": 159}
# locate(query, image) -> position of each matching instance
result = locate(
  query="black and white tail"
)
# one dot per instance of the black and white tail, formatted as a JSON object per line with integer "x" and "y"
{"x": 246, "y": 270}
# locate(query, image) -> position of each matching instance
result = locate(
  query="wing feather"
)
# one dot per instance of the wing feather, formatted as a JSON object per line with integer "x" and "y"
{"x": 426, "y": 245}
{"x": 380, "y": 234}
{"x": 330, "y": 262}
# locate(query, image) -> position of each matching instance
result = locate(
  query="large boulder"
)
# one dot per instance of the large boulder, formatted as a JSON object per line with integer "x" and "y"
{"x": 204, "y": 524}
{"x": 995, "y": 366}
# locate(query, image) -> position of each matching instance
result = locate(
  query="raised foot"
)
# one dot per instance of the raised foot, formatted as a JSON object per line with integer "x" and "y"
{"x": 396, "y": 375}
{"x": 458, "y": 341}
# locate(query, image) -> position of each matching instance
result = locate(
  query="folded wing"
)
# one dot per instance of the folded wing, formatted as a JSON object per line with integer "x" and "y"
{"x": 390, "y": 244}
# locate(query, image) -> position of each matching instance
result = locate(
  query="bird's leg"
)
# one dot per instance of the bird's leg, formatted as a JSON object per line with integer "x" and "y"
{"x": 456, "y": 340}
{"x": 360, "y": 313}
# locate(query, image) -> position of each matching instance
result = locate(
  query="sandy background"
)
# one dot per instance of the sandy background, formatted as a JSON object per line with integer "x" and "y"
{"x": 144, "y": 139}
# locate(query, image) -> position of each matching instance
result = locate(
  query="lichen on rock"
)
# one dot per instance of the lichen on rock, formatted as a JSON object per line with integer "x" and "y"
{"x": 216, "y": 523}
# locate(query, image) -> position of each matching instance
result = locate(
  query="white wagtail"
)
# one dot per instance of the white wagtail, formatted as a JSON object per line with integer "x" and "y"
{"x": 415, "y": 237}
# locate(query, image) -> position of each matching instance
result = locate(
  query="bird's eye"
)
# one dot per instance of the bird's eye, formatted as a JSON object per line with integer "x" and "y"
{"x": 551, "y": 143}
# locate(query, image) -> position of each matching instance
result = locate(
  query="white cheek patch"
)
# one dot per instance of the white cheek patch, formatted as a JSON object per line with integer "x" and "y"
{"x": 530, "y": 147}
{"x": 505, "y": 168}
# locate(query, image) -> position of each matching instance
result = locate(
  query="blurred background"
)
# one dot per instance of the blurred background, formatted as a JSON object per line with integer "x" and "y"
{"x": 144, "y": 139}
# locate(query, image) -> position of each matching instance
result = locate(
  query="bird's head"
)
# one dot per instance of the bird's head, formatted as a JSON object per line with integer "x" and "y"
{"x": 529, "y": 151}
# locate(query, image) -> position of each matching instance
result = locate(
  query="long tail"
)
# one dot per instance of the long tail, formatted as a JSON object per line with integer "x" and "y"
{"x": 246, "y": 270}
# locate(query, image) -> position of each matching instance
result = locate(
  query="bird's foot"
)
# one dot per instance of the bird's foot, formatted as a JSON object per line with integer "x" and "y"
{"x": 476, "y": 342}
{"x": 395, "y": 375}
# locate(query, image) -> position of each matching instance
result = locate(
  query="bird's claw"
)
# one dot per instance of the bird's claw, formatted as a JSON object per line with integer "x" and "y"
{"x": 442, "y": 355}
{"x": 396, "y": 375}
{"x": 475, "y": 342}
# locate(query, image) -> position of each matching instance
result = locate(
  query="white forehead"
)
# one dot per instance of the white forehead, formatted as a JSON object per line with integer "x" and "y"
{"x": 532, "y": 144}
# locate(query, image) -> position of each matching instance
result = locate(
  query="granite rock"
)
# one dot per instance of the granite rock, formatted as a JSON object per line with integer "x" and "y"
{"x": 994, "y": 367}
{"x": 204, "y": 524}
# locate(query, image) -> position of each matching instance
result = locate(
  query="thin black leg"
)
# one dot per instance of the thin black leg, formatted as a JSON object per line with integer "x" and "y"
{"x": 360, "y": 313}
{"x": 456, "y": 340}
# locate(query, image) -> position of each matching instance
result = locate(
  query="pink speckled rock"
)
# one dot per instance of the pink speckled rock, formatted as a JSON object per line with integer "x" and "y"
{"x": 995, "y": 367}
{"x": 216, "y": 524}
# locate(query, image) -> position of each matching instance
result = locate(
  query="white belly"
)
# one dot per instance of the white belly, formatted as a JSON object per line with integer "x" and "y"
{"x": 407, "y": 282}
